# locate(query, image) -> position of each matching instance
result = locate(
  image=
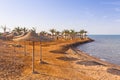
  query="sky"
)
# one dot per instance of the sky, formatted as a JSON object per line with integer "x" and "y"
{"x": 95, "y": 16}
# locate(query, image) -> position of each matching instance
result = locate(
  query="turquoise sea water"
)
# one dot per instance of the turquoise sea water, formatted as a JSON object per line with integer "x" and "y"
{"x": 105, "y": 47}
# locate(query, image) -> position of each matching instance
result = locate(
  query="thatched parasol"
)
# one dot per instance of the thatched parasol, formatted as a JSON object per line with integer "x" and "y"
{"x": 31, "y": 36}
{"x": 7, "y": 36}
{"x": 23, "y": 34}
{"x": 10, "y": 36}
{"x": 43, "y": 39}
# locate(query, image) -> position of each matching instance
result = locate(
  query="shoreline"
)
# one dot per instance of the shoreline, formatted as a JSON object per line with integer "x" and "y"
{"x": 92, "y": 60}
{"x": 98, "y": 59}
{"x": 76, "y": 44}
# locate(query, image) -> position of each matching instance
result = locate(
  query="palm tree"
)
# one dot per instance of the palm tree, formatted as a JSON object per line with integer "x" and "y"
{"x": 33, "y": 29}
{"x": 4, "y": 28}
{"x": 18, "y": 30}
{"x": 53, "y": 31}
{"x": 85, "y": 34}
{"x": 82, "y": 33}
{"x": 72, "y": 33}
{"x": 24, "y": 29}
{"x": 57, "y": 34}
{"x": 65, "y": 33}
{"x": 43, "y": 33}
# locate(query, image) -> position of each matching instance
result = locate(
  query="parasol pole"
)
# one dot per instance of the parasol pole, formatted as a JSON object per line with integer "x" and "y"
{"x": 24, "y": 48}
{"x": 40, "y": 52}
{"x": 33, "y": 58}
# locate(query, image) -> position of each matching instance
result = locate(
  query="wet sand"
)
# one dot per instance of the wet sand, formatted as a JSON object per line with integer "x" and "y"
{"x": 61, "y": 61}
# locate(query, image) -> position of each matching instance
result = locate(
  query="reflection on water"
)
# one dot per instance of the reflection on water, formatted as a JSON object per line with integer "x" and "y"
{"x": 106, "y": 47}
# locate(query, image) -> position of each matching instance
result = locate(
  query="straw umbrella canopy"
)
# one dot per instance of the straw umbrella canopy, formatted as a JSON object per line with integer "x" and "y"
{"x": 10, "y": 36}
{"x": 23, "y": 34}
{"x": 31, "y": 36}
{"x": 7, "y": 35}
{"x": 43, "y": 39}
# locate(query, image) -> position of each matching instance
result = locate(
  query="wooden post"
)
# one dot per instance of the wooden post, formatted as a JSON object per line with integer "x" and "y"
{"x": 40, "y": 52}
{"x": 14, "y": 54}
{"x": 33, "y": 58}
{"x": 14, "y": 47}
{"x": 24, "y": 49}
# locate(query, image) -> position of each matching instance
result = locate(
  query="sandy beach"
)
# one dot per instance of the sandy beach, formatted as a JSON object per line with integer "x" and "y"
{"x": 53, "y": 40}
{"x": 61, "y": 61}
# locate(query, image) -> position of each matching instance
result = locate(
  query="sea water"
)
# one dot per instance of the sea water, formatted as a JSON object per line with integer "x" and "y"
{"x": 105, "y": 47}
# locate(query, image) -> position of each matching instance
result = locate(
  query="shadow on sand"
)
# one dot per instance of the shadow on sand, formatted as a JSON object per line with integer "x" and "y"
{"x": 61, "y": 50}
{"x": 89, "y": 63}
{"x": 67, "y": 58}
{"x": 58, "y": 52}
{"x": 43, "y": 62}
{"x": 35, "y": 72}
{"x": 113, "y": 71}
